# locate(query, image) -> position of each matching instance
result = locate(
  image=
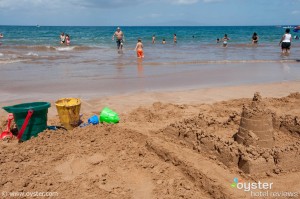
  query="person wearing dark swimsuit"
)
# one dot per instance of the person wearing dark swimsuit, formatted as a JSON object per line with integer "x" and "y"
{"x": 254, "y": 38}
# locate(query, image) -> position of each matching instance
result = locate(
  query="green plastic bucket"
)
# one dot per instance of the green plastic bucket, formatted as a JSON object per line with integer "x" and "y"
{"x": 38, "y": 120}
{"x": 109, "y": 116}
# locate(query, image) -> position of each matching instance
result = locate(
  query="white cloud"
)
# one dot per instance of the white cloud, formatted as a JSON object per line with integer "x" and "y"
{"x": 185, "y": 1}
{"x": 17, "y": 4}
{"x": 155, "y": 15}
{"x": 211, "y": 1}
{"x": 70, "y": 4}
{"x": 53, "y": 4}
{"x": 188, "y": 2}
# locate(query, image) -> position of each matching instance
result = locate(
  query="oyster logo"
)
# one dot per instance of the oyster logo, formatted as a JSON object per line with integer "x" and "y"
{"x": 235, "y": 182}
{"x": 249, "y": 186}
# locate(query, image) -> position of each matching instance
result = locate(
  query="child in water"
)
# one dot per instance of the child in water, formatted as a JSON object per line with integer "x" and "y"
{"x": 68, "y": 40}
{"x": 163, "y": 41}
{"x": 139, "y": 49}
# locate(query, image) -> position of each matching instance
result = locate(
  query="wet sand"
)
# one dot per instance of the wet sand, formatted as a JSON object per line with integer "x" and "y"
{"x": 31, "y": 82}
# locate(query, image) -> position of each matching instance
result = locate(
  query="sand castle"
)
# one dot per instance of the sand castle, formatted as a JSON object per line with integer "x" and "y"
{"x": 263, "y": 143}
{"x": 256, "y": 127}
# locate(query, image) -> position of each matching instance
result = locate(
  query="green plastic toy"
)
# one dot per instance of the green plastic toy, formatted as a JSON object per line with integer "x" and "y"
{"x": 109, "y": 116}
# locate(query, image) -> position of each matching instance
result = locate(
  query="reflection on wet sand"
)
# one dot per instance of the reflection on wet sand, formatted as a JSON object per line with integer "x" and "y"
{"x": 140, "y": 67}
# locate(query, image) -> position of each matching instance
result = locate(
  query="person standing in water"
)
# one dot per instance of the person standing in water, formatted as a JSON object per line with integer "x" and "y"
{"x": 62, "y": 38}
{"x": 225, "y": 40}
{"x": 120, "y": 38}
{"x": 286, "y": 41}
{"x": 255, "y": 38}
{"x": 139, "y": 49}
{"x": 175, "y": 39}
{"x": 153, "y": 39}
{"x": 68, "y": 40}
{"x": 1, "y": 36}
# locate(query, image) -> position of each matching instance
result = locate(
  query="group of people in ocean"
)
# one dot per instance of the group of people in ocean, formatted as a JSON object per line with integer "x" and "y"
{"x": 65, "y": 39}
{"x": 225, "y": 39}
{"x": 164, "y": 40}
{"x": 120, "y": 38}
{"x": 285, "y": 41}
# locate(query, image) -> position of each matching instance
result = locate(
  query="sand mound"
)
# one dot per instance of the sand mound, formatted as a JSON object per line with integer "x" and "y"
{"x": 160, "y": 151}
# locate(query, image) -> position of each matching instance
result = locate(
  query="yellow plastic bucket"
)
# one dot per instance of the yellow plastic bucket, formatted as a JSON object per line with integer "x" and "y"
{"x": 68, "y": 111}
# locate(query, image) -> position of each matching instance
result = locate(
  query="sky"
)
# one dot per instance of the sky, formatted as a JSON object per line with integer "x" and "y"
{"x": 149, "y": 12}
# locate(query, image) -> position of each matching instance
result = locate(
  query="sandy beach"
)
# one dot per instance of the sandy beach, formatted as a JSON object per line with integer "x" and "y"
{"x": 181, "y": 99}
{"x": 197, "y": 121}
{"x": 175, "y": 144}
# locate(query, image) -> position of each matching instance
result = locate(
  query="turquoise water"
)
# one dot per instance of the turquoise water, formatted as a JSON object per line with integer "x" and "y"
{"x": 195, "y": 44}
{"x": 98, "y": 36}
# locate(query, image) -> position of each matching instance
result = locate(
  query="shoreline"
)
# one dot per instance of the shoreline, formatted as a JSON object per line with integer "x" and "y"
{"x": 127, "y": 102}
{"x": 123, "y": 103}
{"x": 61, "y": 81}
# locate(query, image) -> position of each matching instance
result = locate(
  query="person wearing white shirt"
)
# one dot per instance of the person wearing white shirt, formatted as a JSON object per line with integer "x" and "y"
{"x": 285, "y": 42}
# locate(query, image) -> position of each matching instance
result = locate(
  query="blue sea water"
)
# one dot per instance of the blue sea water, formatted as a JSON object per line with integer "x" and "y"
{"x": 194, "y": 43}
{"x": 97, "y": 36}
{"x": 31, "y": 55}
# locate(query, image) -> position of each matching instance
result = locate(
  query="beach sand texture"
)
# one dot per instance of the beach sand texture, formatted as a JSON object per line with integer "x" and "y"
{"x": 167, "y": 145}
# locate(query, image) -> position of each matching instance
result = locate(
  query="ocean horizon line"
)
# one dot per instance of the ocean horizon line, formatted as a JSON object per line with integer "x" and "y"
{"x": 38, "y": 25}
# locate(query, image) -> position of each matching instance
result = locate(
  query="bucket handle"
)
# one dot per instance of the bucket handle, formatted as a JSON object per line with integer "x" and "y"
{"x": 23, "y": 128}
{"x": 9, "y": 119}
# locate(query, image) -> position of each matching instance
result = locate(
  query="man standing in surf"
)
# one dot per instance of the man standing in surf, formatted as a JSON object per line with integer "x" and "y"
{"x": 120, "y": 38}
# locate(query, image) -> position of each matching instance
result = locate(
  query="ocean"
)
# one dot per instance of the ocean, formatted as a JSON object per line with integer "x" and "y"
{"x": 194, "y": 43}
{"x": 31, "y": 59}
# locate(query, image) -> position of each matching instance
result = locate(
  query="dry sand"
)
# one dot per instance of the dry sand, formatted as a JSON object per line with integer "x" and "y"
{"x": 167, "y": 145}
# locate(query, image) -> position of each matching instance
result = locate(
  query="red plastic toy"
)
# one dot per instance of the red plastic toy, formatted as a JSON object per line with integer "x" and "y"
{"x": 7, "y": 134}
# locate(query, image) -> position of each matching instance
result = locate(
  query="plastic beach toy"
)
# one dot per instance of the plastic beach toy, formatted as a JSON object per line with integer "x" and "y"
{"x": 109, "y": 116}
{"x": 6, "y": 134}
{"x": 31, "y": 118}
{"x": 93, "y": 120}
{"x": 68, "y": 111}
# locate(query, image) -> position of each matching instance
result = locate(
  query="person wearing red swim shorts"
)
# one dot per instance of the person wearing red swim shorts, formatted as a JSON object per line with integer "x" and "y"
{"x": 139, "y": 49}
